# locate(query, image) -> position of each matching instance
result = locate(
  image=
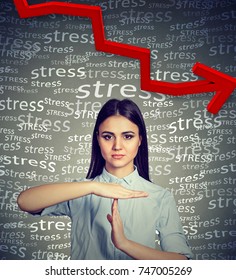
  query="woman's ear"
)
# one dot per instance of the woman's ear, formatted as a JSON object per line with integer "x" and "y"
{"x": 140, "y": 140}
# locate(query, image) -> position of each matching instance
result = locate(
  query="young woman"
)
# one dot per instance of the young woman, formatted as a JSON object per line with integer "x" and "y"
{"x": 116, "y": 211}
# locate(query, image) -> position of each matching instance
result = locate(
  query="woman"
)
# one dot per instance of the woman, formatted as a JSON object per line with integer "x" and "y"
{"x": 119, "y": 166}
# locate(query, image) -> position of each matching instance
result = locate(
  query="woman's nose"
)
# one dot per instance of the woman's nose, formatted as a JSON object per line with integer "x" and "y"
{"x": 117, "y": 144}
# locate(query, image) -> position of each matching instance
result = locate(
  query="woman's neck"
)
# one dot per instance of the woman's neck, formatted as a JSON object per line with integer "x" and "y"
{"x": 120, "y": 172}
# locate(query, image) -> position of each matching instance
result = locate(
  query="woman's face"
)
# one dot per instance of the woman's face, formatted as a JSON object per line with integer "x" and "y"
{"x": 119, "y": 141}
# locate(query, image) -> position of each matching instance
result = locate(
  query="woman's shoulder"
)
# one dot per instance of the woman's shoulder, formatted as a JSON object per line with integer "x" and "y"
{"x": 153, "y": 186}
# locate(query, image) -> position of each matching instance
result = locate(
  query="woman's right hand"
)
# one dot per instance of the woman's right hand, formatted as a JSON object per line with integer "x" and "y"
{"x": 37, "y": 198}
{"x": 116, "y": 191}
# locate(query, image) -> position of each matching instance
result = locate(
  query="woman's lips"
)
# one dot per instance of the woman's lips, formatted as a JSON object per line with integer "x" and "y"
{"x": 117, "y": 156}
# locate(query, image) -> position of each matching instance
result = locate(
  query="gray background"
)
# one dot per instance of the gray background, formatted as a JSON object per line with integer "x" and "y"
{"x": 53, "y": 83}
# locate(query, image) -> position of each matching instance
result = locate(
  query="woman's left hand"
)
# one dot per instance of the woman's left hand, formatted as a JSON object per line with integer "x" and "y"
{"x": 133, "y": 249}
{"x": 117, "y": 229}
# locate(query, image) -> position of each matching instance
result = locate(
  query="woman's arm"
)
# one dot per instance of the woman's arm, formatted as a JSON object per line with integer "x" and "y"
{"x": 35, "y": 199}
{"x": 133, "y": 249}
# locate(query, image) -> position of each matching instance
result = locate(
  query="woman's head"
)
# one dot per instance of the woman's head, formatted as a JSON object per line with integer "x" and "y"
{"x": 114, "y": 119}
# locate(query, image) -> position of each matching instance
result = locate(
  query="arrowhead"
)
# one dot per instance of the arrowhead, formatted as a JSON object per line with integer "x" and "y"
{"x": 224, "y": 85}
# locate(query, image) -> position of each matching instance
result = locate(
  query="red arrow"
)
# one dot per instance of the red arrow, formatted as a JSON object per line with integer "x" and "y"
{"x": 223, "y": 84}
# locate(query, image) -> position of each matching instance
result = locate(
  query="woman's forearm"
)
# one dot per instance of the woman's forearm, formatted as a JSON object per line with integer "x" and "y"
{"x": 141, "y": 252}
{"x": 37, "y": 198}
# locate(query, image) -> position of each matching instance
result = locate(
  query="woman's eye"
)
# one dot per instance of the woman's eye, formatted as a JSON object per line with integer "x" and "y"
{"x": 107, "y": 137}
{"x": 127, "y": 136}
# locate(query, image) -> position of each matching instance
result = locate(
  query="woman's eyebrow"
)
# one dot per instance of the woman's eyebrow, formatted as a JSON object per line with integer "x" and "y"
{"x": 107, "y": 132}
{"x": 112, "y": 133}
{"x": 128, "y": 132}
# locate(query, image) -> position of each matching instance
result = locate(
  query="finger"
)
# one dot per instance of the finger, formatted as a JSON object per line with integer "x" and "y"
{"x": 109, "y": 218}
{"x": 115, "y": 204}
{"x": 115, "y": 213}
{"x": 138, "y": 194}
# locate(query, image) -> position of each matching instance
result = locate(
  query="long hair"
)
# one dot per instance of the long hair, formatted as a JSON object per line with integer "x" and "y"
{"x": 129, "y": 110}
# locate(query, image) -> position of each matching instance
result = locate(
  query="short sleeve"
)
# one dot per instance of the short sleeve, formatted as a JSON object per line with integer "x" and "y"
{"x": 172, "y": 238}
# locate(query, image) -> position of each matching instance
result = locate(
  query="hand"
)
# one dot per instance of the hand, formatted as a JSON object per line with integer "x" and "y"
{"x": 116, "y": 191}
{"x": 117, "y": 230}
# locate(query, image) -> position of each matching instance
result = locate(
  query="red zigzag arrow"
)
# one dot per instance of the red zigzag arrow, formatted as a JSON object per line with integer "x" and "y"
{"x": 223, "y": 84}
